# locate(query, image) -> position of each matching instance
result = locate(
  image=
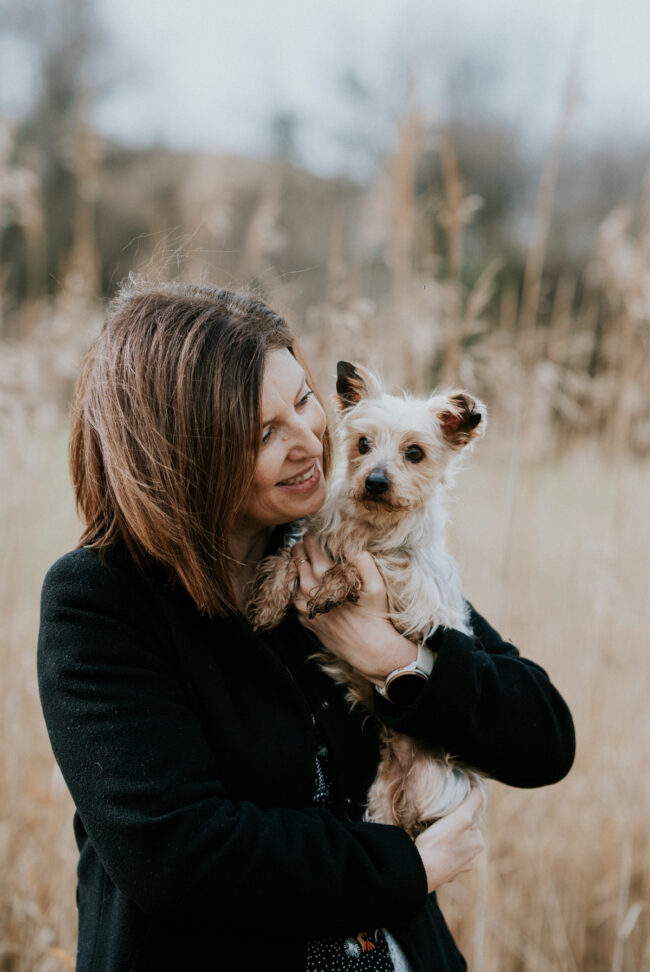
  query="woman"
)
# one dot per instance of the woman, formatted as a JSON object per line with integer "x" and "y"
{"x": 219, "y": 777}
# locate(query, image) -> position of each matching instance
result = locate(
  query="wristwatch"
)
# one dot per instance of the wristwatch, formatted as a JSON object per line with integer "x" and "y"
{"x": 403, "y": 685}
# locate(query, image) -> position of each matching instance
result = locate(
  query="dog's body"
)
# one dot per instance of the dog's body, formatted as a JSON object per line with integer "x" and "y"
{"x": 387, "y": 497}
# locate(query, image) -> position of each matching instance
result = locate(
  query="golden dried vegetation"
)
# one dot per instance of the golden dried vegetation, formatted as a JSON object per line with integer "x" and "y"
{"x": 549, "y": 521}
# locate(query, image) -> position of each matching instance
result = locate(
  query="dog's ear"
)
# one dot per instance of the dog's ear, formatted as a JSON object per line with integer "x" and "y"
{"x": 354, "y": 382}
{"x": 462, "y": 418}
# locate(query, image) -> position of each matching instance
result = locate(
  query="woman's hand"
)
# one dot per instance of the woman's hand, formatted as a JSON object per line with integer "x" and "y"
{"x": 360, "y": 633}
{"x": 449, "y": 846}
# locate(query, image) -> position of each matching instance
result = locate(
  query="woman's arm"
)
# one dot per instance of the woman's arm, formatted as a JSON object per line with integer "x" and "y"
{"x": 147, "y": 786}
{"x": 483, "y": 702}
{"x": 490, "y": 707}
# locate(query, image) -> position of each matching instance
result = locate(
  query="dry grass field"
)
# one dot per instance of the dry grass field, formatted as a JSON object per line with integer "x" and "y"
{"x": 549, "y": 520}
{"x": 556, "y": 556}
{"x": 559, "y": 559}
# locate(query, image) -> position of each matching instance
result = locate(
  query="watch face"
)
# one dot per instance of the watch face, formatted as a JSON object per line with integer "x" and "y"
{"x": 405, "y": 687}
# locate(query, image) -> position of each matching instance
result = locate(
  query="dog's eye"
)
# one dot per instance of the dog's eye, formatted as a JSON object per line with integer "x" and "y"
{"x": 364, "y": 445}
{"x": 414, "y": 453}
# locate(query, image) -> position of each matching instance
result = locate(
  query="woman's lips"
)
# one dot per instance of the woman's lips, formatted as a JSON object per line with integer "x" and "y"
{"x": 304, "y": 481}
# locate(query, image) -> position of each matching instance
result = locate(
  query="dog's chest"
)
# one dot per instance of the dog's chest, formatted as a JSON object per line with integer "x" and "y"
{"x": 424, "y": 592}
{"x": 422, "y": 578}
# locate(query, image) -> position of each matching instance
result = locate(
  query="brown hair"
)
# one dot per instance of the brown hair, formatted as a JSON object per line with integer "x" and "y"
{"x": 166, "y": 427}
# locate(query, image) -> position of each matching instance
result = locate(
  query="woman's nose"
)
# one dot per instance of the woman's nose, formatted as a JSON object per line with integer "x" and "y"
{"x": 309, "y": 439}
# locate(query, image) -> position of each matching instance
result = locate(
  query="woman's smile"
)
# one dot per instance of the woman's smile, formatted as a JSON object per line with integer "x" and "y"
{"x": 305, "y": 481}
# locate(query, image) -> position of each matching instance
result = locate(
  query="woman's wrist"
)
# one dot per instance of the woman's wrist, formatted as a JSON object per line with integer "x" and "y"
{"x": 391, "y": 651}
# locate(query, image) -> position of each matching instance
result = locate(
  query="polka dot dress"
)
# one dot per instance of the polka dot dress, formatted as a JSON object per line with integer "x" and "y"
{"x": 374, "y": 951}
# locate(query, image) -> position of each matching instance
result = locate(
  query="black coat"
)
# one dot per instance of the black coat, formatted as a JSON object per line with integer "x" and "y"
{"x": 188, "y": 747}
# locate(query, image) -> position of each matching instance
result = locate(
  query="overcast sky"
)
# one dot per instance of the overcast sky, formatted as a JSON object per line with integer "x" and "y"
{"x": 206, "y": 74}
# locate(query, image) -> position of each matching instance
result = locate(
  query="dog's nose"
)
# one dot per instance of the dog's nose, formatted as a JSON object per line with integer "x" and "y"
{"x": 377, "y": 483}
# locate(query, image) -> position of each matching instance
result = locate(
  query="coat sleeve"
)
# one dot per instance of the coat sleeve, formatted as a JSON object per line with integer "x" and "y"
{"x": 488, "y": 706}
{"x": 147, "y": 789}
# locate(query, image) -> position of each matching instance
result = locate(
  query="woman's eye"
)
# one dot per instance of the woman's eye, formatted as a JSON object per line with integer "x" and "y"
{"x": 414, "y": 453}
{"x": 364, "y": 445}
{"x": 268, "y": 433}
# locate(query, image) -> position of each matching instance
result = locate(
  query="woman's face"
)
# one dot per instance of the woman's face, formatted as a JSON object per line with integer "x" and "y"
{"x": 288, "y": 480}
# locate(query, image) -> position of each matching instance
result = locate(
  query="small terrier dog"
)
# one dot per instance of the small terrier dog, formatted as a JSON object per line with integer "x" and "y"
{"x": 397, "y": 457}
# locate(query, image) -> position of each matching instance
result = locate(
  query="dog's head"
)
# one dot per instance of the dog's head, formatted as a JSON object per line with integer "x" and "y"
{"x": 399, "y": 449}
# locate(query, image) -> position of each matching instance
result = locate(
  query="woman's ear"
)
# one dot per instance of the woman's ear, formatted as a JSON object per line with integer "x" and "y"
{"x": 462, "y": 418}
{"x": 354, "y": 382}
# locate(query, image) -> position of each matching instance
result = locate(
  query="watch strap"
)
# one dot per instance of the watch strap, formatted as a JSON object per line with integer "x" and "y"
{"x": 421, "y": 666}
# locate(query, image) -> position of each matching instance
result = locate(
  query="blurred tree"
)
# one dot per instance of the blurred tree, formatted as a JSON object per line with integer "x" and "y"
{"x": 54, "y": 138}
{"x": 283, "y": 130}
{"x": 21, "y": 229}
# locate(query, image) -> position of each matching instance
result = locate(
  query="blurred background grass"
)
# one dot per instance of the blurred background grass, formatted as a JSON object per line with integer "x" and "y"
{"x": 457, "y": 253}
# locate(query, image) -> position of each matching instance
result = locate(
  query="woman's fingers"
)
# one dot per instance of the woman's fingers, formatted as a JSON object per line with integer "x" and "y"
{"x": 464, "y": 816}
{"x": 449, "y": 846}
{"x": 371, "y": 579}
{"x": 309, "y": 549}
{"x": 308, "y": 581}
{"x": 318, "y": 559}
{"x": 474, "y": 801}
{"x": 312, "y": 563}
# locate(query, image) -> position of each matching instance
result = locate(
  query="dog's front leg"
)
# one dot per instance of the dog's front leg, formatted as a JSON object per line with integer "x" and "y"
{"x": 274, "y": 588}
{"x": 338, "y": 584}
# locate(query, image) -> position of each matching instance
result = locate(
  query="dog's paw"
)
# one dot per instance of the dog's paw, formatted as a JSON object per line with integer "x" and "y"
{"x": 273, "y": 590}
{"x": 321, "y": 603}
{"x": 338, "y": 584}
{"x": 263, "y": 617}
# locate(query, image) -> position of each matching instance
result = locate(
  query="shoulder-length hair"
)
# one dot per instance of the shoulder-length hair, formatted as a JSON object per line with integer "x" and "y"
{"x": 166, "y": 427}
